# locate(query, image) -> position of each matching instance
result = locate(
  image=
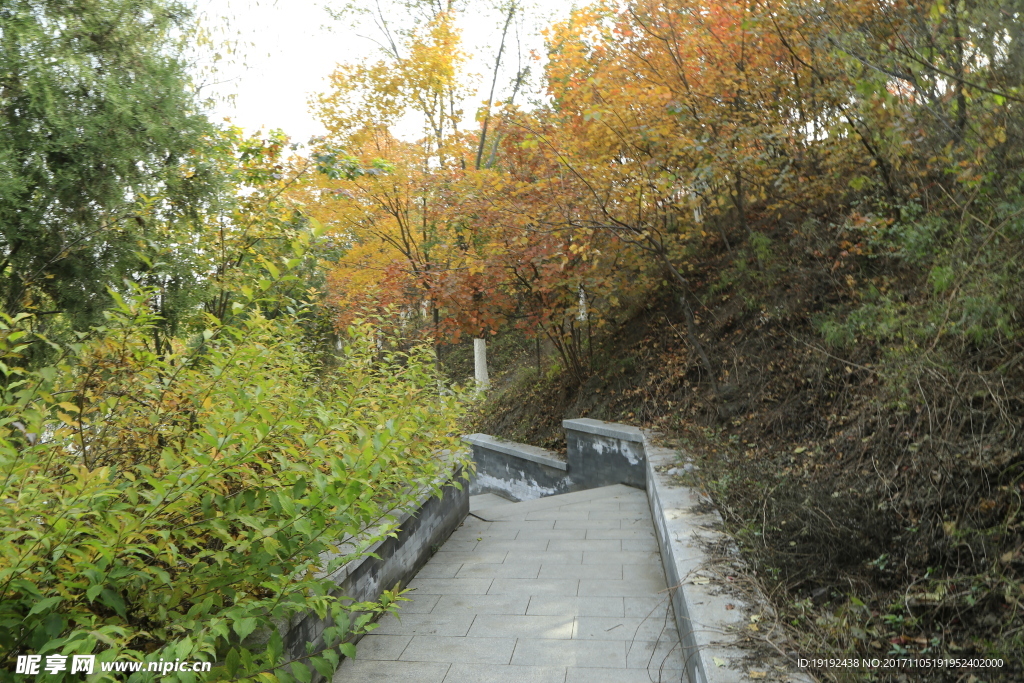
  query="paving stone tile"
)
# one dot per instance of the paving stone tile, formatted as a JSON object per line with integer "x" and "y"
{"x": 529, "y": 543}
{"x": 553, "y": 534}
{"x": 459, "y": 557}
{"x": 381, "y": 647}
{"x": 644, "y": 572}
{"x": 635, "y": 532}
{"x": 620, "y": 491}
{"x": 587, "y": 524}
{"x": 553, "y": 605}
{"x": 544, "y": 557}
{"x": 451, "y": 586}
{"x": 418, "y": 604}
{"x": 523, "y": 524}
{"x": 516, "y": 626}
{"x": 582, "y": 504}
{"x": 438, "y": 570}
{"x": 580, "y": 571}
{"x": 453, "y": 544}
{"x": 486, "y": 500}
{"x": 607, "y": 504}
{"x": 655, "y": 655}
{"x": 472, "y": 525}
{"x": 495, "y": 532}
{"x": 621, "y": 557}
{"x": 525, "y": 521}
{"x": 369, "y": 671}
{"x": 619, "y": 514}
{"x": 488, "y": 673}
{"x": 619, "y": 588}
{"x": 558, "y": 515}
{"x": 610, "y": 545}
{"x": 545, "y": 652}
{"x": 467, "y": 649}
{"x": 501, "y": 571}
{"x": 636, "y": 522}
{"x": 591, "y": 675}
{"x": 534, "y": 524}
{"x": 430, "y": 624}
{"x": 566, "y": 499}
{"x": 644, "y": 545}
{"x": 534, "y": 586}
{"x": 650, "y": 606}
{"x": 621, "y": 628}
{"x": 561, "y": 589}
{"x": 482, "y": 604}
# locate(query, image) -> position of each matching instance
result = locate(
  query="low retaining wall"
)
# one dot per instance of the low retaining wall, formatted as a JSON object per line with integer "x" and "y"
{"x": 604, "y": 453}
{"x": 597, "y": 454}
{"x": 515, "y": 470}
{"x": 420, "y": 533}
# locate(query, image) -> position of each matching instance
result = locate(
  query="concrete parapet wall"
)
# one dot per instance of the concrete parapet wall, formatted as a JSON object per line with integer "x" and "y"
{"x": 420, "y": 533}
{"x": 514, "y": 470}
{"x": 604, "y": 453}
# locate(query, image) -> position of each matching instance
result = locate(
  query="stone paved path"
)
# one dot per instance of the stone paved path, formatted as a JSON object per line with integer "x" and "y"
{"x": 565, "y": 589}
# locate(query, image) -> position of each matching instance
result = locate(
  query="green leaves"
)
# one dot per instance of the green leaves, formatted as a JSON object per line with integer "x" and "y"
{"x": 336, "y": 165}
{"x": 211, "y": 487}
{"x": 243, "y": 627}
{"x": 98, "y": 116}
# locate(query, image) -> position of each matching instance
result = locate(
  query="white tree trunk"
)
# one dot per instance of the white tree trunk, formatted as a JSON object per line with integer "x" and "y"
{"x": 480, "y": 364}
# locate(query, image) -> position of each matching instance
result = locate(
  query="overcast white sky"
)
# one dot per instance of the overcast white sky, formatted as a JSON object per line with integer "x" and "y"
{"x": 290, "y": 46}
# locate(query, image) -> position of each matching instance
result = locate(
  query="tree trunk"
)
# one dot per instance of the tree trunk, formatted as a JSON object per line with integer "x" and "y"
{"x": 480, "y": 364}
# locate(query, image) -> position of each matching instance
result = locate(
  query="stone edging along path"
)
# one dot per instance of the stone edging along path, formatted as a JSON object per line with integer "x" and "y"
{"x": 712, "y": 617}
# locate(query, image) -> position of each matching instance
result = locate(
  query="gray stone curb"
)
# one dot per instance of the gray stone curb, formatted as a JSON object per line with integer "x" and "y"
{"x": 711, "y": 620}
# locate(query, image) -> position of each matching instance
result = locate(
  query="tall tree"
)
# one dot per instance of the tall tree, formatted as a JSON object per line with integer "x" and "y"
{"x": 408, "y": 227}
{"x": 96, "y": 117}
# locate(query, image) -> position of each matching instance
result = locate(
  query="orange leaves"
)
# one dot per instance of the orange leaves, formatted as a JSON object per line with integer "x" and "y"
{"x": 665, "y": 117}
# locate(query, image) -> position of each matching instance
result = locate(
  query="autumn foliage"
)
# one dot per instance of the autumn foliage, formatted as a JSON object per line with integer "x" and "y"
{"x": 863, "y": 155}
{"x": 668, "y": 126}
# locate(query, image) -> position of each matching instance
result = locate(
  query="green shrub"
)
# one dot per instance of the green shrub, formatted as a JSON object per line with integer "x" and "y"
{"x": 171, "y": 506}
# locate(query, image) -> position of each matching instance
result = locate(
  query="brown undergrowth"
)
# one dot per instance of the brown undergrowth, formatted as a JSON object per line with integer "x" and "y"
{"x": 875, "y": 490}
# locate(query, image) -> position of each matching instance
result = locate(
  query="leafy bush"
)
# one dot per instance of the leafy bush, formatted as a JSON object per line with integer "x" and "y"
{"x": 172, "y": 505}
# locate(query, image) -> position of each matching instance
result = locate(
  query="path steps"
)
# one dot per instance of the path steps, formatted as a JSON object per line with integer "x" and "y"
{"x": 564, "y": 589}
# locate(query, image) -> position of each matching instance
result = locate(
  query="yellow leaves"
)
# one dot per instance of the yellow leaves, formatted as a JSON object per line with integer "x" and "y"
{"x": 68, "y": 420}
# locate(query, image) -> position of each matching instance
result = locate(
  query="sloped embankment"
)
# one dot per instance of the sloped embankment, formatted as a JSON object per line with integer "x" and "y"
{"x": 877, "y": 497}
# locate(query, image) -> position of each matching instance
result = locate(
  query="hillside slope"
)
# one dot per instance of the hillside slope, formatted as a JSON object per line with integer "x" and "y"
{"x": 876, "y": 493}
